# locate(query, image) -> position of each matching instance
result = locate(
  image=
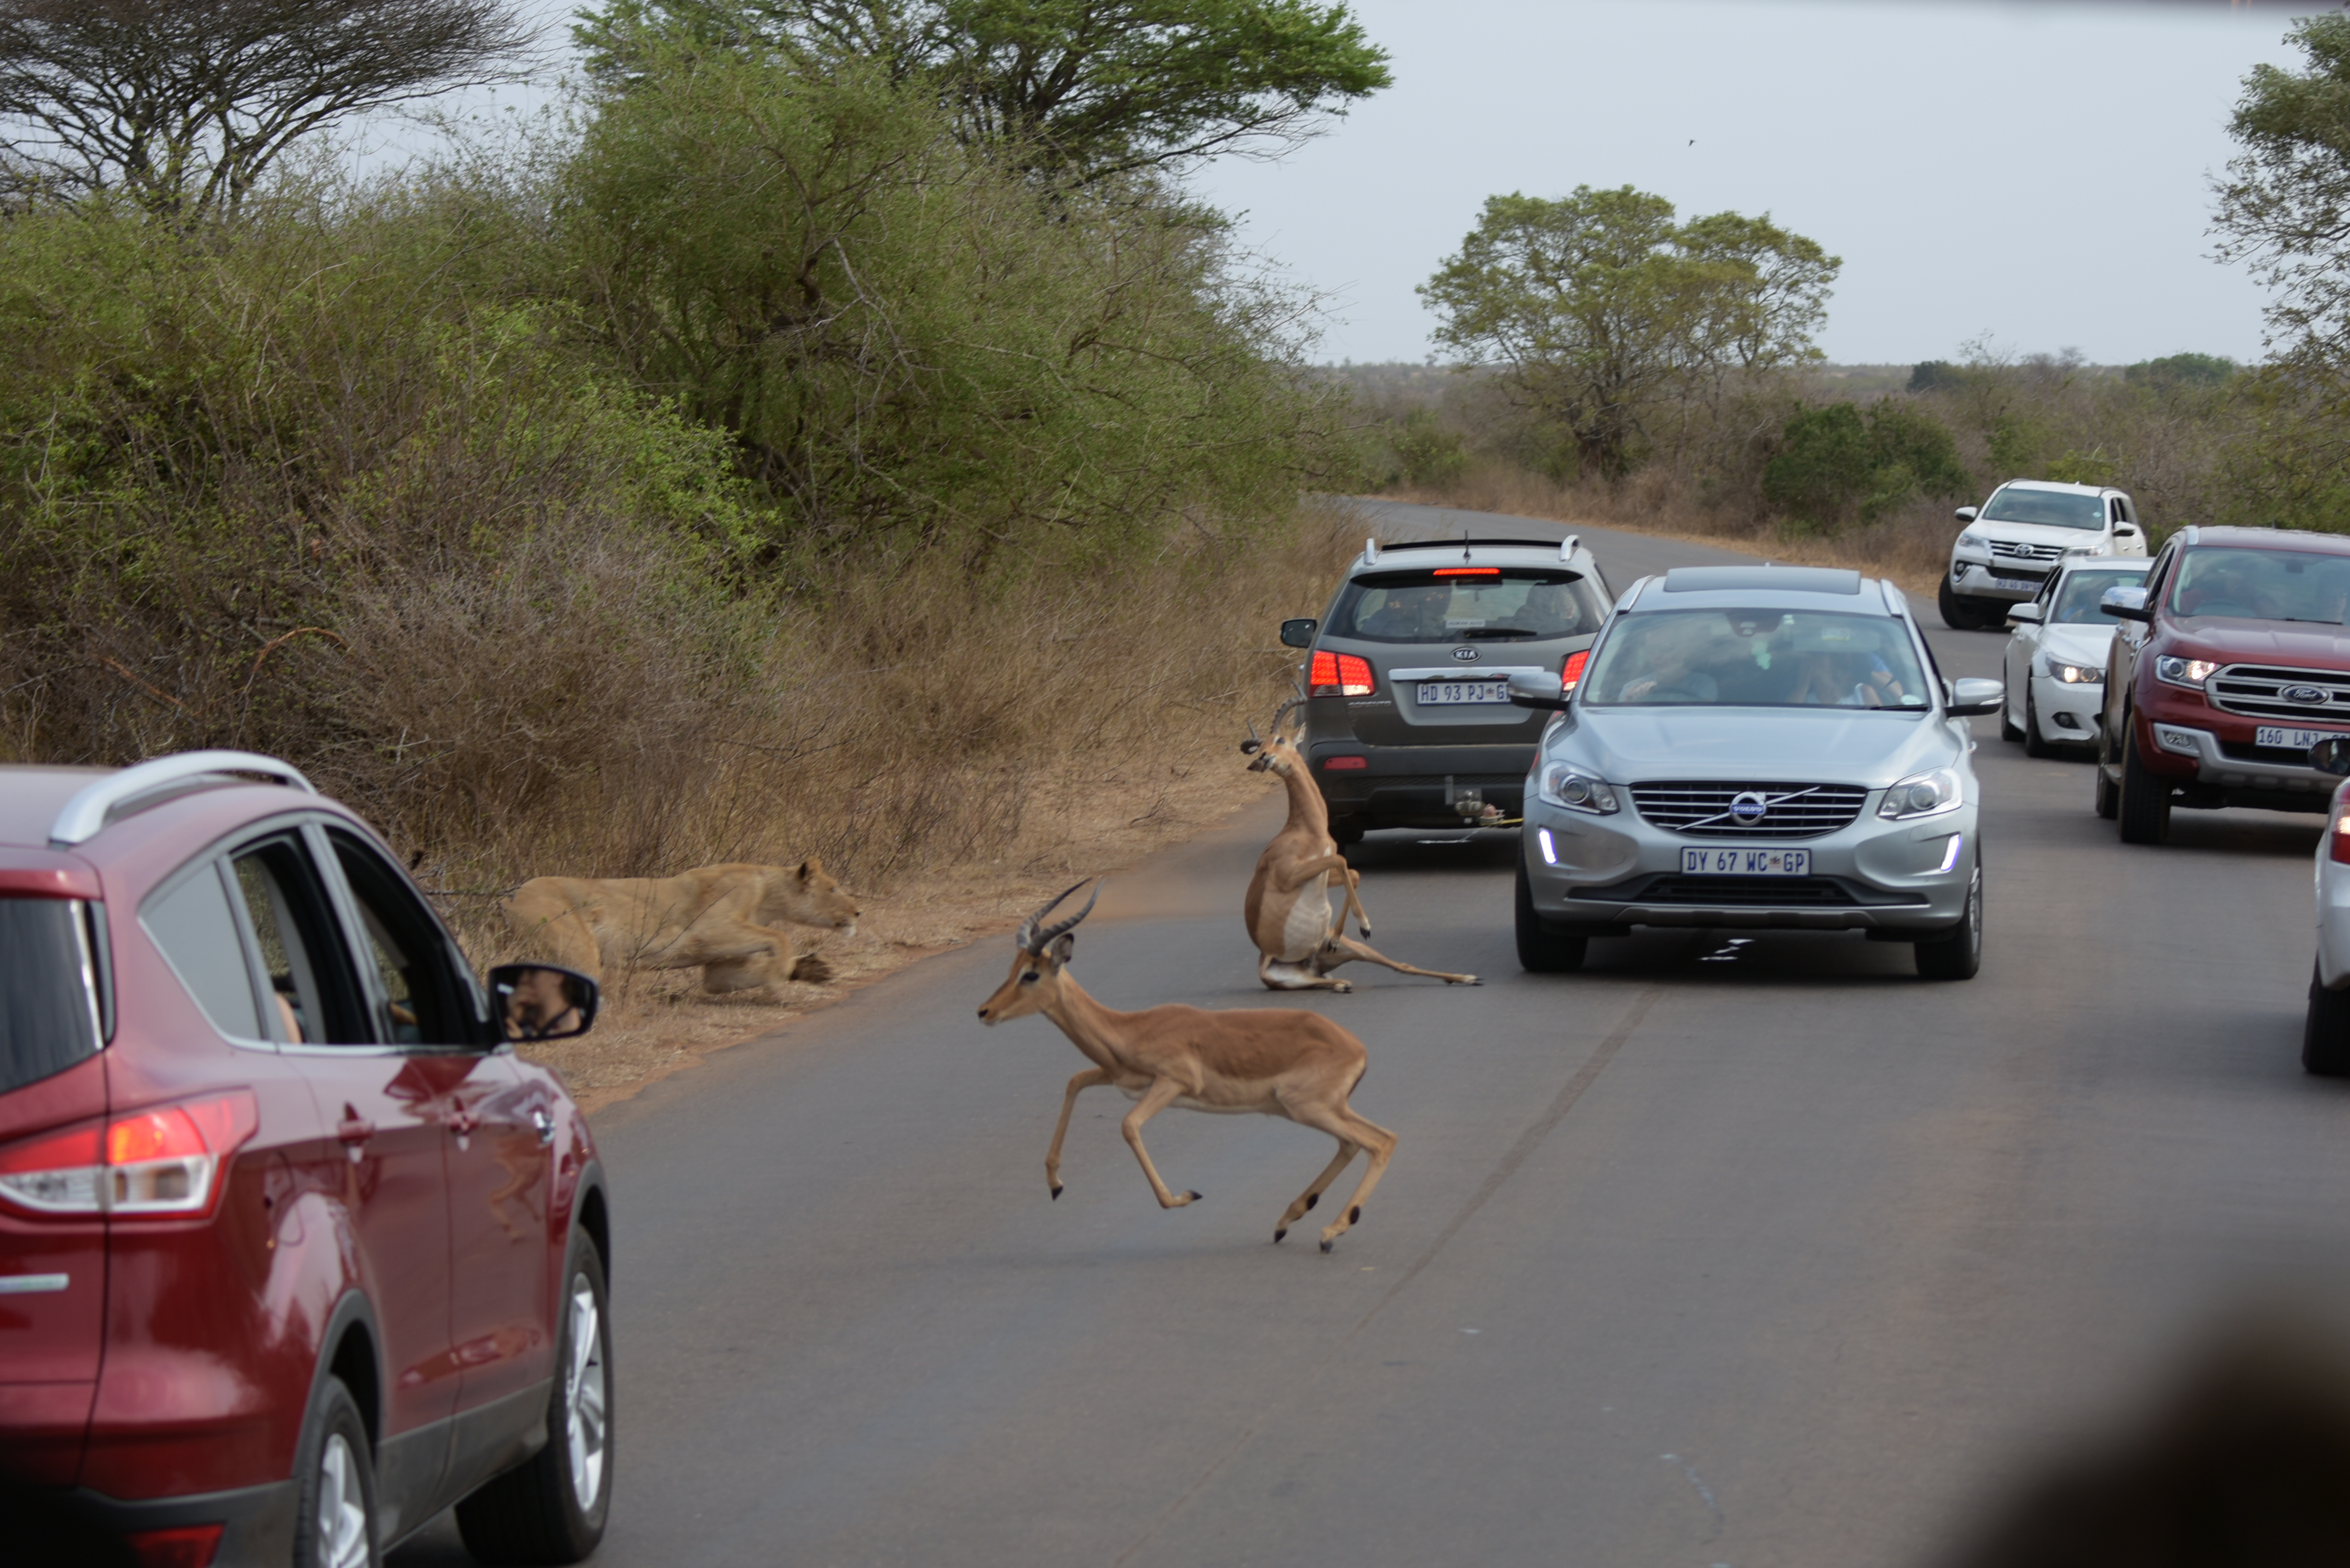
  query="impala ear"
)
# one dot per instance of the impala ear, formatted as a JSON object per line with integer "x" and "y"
{"x": 1062, "y": 946}
{"x": 810, "y": 868}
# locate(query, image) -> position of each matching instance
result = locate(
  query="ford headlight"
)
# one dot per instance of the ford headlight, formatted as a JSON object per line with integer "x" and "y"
{"x": 1928, "y": 793}
{"x": 2188, "y": 672}
{"x": 1571, "y": 787}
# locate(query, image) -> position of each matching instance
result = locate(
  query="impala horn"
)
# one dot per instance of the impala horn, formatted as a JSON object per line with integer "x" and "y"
{"x": 1250, "y": 746}
{"x": 1284, "y": 712}
{"x": 1029, "y": 939}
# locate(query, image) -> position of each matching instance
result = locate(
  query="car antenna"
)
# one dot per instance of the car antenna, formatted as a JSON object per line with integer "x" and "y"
{"x": 1464, "y": 544}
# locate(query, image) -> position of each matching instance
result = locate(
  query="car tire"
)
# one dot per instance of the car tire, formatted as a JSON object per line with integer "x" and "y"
{"x": 1540, "y": 950}
{"x": 1958, "y": 956}
{"x": 2034, "y": 744}
{"x": 334, "y": 1470}
{"x": 2108, "y": 794}
{"x": 1957, "y": 613}
{"x": 2325, "y": 1034}
{"x": 2007, "y": 730}
{"x": 2143, "y": 811}
{"x": 536, "y": 1512}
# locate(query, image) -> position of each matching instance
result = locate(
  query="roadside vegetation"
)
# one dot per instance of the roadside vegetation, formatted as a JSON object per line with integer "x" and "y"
{"x": 1613, "y": 365}
{"x": 808, "y": 444}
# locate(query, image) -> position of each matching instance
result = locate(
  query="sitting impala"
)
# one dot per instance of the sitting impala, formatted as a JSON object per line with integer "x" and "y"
{"x": 1274, "y": 1062}
{"x": 1299, "y": 939}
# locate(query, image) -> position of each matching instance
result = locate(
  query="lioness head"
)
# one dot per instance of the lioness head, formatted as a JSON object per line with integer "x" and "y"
{"x": 807, "y": 895}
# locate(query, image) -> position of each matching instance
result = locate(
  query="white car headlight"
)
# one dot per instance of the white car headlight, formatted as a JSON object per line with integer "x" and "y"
{"x": 1571, "y": 787}
{"x": 1929, "y": 793}
{"x": 2077, "y": 674}
{"x": 1972, "y": 541}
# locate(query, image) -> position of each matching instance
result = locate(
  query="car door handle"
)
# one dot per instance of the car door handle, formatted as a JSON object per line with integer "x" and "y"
{"x": 354, "y": 1129}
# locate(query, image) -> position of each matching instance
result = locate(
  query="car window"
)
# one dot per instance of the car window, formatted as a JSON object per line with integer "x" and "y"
{"x": 424, "y": 998}
{"x": 1461, "y": 604}
{"x": 2084, "y": 591}
{"x": 2050, "y": 508}
{"x": 2262, "y": 584}
{"x": 313, "y": 994}
{"x": 48, "y": 999}
{"x": 194, "y": 925}
{"x": 1758, "y": 658}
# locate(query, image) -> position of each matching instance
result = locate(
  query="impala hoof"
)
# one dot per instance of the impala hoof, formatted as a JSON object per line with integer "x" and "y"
{"x": 1057, "y": 1192}
{"x": 1190, "y": 1198}
{"x": 1329, "y": 1244}
{"x": 1277, "y": 1235}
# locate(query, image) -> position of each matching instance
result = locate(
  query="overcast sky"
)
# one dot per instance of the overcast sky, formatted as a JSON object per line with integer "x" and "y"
{"x": 2037, "y": 172}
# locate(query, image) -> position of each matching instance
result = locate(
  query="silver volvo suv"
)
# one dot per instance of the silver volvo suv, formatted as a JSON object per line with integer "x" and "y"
{"x": 1755, "y": 746}
{"x": 1408, "y": 721}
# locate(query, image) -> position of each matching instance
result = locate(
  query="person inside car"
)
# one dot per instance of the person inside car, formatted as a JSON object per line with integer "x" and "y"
{"x": 1414, "y": 613}
{"x": 1844, "y": 679}
{"x": 1671, "y": 675}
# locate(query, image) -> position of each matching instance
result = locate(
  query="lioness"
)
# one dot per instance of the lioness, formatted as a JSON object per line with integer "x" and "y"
{"x": 725, "y": 921}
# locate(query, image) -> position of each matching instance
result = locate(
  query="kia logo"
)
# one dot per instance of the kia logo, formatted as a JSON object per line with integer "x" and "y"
{"x": 2304, "y": 694}
{"x": 1464, "y": 654}
{"x": 1749, "y": 807}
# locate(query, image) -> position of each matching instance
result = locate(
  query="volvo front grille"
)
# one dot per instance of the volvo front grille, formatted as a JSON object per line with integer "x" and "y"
{"x": 1705, "y": 810}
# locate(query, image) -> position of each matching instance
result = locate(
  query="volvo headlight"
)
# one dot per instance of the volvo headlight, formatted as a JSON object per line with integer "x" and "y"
{"x": 2188, "y": 672}
{"x": 1928, "y": 793}
{"x": 1571, "y": 787}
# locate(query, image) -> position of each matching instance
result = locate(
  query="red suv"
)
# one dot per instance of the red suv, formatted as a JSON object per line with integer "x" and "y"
{"x": 2229, "y": 664}
{"x": 295, "y": 1251}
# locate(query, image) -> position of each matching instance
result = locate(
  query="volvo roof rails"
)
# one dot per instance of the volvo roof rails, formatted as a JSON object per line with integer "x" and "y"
{"x": 98, "y": 804}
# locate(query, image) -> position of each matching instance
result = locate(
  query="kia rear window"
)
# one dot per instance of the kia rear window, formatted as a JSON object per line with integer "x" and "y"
{"x": 2049, "y": 508}
{"x": 48, "y": 990}
{"x": 1467, "y": 604}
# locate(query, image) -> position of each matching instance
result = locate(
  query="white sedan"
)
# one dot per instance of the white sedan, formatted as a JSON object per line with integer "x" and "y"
{"x": 2056, "y": 658}
{"x": 2326, "y": 1037}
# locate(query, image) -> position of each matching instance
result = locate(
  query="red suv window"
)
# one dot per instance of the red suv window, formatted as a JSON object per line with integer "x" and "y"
{"x": 49, "y": 1010}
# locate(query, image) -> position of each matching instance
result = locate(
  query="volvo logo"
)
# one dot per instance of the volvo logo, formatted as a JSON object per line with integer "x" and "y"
{"x": 1749, "y": 807}
{"x": 2305, "y": 695}
{"x": 1464, "y": 654}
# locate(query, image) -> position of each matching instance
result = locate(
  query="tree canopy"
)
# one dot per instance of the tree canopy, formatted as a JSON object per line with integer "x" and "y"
{"x": 1601, "y": 308}
{"x": 1085, "y": 89}
{"x": 2285, "y": 204}
{"x": 184, "y": 104}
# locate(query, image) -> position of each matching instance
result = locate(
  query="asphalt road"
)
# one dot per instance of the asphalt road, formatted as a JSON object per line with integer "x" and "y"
{"x": 1752, "y": 1252}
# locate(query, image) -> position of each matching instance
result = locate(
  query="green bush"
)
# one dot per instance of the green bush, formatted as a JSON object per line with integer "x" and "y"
{"x": 1834, "y": 464}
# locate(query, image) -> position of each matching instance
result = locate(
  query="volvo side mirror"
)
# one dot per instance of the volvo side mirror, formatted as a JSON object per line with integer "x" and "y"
{"x": 2331, "y": 757}
{"x": 1971, "y": 694}
{"x": 1537, "y": 690}
{"x": 2125, "y": 604}
{"x": 1299, "y": 633}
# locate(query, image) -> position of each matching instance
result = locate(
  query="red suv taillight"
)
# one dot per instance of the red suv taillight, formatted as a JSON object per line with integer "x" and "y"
{"x": 1574, "y": 670}
{"x": 2337, "y": 831}
{"x": 164, "y": 1161}
{"x": 1341, "y": 675}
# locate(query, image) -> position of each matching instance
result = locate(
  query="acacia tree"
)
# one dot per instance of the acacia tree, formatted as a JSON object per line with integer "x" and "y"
{"x": 1086, "y": 89}
{"x": 1601, "y": 308}
{"x": 184, "y": 104}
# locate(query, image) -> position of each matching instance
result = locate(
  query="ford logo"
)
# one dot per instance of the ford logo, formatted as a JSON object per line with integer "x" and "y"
{"x": 1749, "y": 807}
{"x": 2305, "y": 694}
{"x": 1464, "y": 654}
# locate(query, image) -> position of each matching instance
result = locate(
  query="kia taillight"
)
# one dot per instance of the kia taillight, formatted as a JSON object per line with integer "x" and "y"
{"x": 1340, "y": 675}
{"x": 1574, "y": 670}
{"x": 164, "y": 1161}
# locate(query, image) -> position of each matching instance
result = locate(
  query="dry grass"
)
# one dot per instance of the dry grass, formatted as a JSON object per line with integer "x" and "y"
{"x": 1911, "y": 547}
{"x": 952, "y": 756}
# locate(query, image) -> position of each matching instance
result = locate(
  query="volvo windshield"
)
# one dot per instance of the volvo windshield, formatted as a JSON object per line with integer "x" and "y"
{"x": 1757, "y": 658}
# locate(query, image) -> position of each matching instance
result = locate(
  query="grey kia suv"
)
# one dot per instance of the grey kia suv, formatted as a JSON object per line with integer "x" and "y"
{"x": 1408, "y": 721}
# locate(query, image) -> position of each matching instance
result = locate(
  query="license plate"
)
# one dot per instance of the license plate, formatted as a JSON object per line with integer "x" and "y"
{"x": 1746, "y": 862}
{"x": 2030, "y": 585}
{"x": 2291, "y": 740}
{"x": 1433, "y": 692}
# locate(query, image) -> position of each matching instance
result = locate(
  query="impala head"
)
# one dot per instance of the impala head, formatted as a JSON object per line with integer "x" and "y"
{"x": 1279, "y": 754}
{"x": 1042, "y": 952}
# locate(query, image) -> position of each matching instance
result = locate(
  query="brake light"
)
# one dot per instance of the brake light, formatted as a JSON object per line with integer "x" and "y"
{"x": 179, "y": 1546}
{"x": 1468, "y": 571}
{"x": 1340, "y": 675}
{"x": 1574, "y": 670}
{"x": 2338, "y": 838}
{"x": 1344, "y": 764}
{"x": 164, "y": 1161}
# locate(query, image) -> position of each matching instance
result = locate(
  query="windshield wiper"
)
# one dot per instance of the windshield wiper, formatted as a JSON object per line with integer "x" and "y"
{"x": 2309, "y": 620}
